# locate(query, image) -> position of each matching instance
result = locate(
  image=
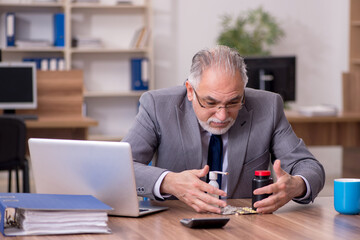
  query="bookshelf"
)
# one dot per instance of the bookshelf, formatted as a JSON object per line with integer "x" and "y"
{"x": 354, "y": 53}
{"x": 351, "y": 80}
{"x": 107, "y": 71}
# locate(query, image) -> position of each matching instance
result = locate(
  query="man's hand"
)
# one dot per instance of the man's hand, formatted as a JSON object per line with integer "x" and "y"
{"x": 188, "y": 187}
{"x": 286, "y": 188}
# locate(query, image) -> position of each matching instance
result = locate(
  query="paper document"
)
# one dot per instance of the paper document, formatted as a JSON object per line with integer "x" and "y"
{"x": 319, "y": 110}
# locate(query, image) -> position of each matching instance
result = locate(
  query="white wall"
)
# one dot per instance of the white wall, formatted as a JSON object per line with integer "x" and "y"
{"x": 317, "y": 32}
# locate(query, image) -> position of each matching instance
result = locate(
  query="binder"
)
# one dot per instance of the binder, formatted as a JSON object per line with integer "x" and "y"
{"x": 44, "y": 64}
{"x": 55, "y": 213}
{"x": 30, "y": 60}
{"x": 139, "y": 74}
{"x": 60, "y": 64}
{"x": 59, "y": 30}
{"x": 10, "y": 29}
{"x": 53, "y": 64}
{"x": 36, "y": 60}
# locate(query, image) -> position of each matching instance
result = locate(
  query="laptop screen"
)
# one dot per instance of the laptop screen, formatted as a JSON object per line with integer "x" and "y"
{"x": 102, "y": 169}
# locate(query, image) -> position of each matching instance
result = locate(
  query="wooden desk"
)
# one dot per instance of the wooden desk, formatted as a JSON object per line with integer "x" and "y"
{"x": 342, "y": 130}
{"x": 293, "y": 221}
{"x": 60, "y": 127}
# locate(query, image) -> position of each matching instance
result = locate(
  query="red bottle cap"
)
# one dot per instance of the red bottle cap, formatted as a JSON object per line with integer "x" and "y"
{"x": 262, "y": 173}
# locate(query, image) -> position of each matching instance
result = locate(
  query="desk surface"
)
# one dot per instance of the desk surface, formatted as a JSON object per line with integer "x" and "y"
{"x": 295, "y": 117}
{"x": 61, "y": 122}
{"x": 294, "y": 221}
{"x": 60, "y": 127}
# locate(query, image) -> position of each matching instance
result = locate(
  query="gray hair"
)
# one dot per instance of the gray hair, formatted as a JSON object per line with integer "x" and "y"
{"x": 222, "y": 57}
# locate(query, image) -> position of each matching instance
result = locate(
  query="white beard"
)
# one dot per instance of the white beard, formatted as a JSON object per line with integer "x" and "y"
{"x": 217, "y": 131}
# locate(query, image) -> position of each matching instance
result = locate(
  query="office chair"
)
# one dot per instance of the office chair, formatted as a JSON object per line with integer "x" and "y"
{"x": 12, "y": 150}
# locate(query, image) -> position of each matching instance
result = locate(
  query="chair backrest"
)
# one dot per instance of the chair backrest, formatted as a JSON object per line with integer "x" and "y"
{"x": 12, "y": 140}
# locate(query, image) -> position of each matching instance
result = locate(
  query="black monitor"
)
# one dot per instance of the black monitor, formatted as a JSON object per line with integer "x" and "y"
{"x": 17, "y": 86}
{"x": 275, "y": 74}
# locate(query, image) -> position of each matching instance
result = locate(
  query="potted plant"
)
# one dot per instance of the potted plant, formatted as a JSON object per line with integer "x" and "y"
{"x": 250, "y": 33}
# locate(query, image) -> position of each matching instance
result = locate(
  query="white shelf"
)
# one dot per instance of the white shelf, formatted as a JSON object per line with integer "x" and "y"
{"x": 32, "y": 5}
{"x": 106, "y": 6}
{"x": 31, "y": 49}
{"x": 108, "y": 50}
{"x": 113, "y": 94}
{"x": 107, "y": 70}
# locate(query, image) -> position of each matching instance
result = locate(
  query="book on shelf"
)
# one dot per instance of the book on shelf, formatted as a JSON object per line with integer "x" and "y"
{"x": 36, "y": 60}
{"x": 318, "y": 110}
{"x": 55, "y": 64}
{"x": 33, "y": 43}
{"x": 10, "y": 29}
{"x": 60, "y": 64}
{"x": 86, "y": 42}
{"x": 139, "y": 74}
{"x": 45, "y": 64}
{"x": 59, "y": 30}
{"x": 47, "y": 214}
{"x": 134, "y": 40}
{"x": 12, "y": 41}
{"x": 141, "y": 38}
{"x": 145, "y": 38}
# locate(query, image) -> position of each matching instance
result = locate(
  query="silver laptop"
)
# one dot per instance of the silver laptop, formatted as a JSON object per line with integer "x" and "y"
{"x": 102, "y": 169}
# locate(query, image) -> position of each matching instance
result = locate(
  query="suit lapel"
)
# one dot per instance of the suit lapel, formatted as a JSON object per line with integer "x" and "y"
{"x": 190, "y": 135}
{"x": 237, "y": 145}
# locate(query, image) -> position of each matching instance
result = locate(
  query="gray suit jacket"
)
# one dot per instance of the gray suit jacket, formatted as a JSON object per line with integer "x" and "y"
{"x": 166, "y": 127}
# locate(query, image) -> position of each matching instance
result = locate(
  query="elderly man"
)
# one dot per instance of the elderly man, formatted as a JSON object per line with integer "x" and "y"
{"x": 180, "y": 126}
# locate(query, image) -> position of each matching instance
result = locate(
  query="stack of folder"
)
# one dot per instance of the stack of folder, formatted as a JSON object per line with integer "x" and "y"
{"x": 44, "y": 214}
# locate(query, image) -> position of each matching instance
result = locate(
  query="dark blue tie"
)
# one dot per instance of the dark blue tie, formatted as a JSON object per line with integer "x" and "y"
{"x": 215, "y": 155}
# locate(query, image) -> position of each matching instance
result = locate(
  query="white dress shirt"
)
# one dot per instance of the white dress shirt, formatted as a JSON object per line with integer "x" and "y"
{"x": 205, "y": 140}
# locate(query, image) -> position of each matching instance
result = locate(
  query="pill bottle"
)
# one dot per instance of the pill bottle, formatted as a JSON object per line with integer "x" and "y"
{"x": 213, "y": 176}
{"x": 262, "y": 178}
{"x": 213, "y": 182}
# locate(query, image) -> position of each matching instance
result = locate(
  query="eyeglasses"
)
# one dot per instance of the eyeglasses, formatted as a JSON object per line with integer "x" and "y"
{"x": 229, "y": 106}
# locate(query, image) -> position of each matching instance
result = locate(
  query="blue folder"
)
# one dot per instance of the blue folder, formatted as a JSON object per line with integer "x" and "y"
{"x": 10, "y": 29}
{"x": 48, "y": 202}
{"x": 139, "y": 74}
{"x": 59, "y": 30}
